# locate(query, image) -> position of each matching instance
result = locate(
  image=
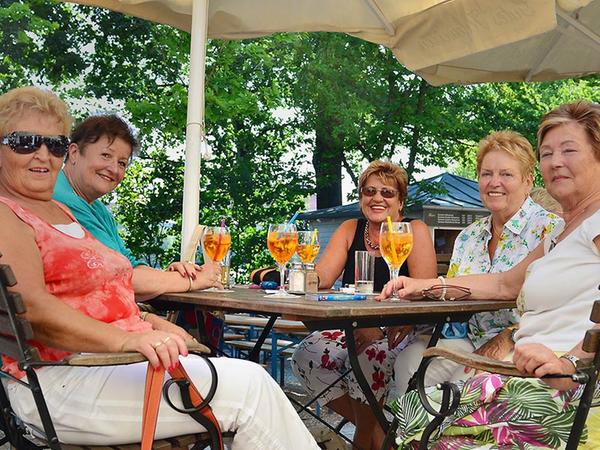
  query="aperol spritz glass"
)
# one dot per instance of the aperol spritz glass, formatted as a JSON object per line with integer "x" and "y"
{"x": 282, "y": 241}
{"x": 308, "y": 246}
{"x": 216, "y": 242}
{"x": 395, "y": 244}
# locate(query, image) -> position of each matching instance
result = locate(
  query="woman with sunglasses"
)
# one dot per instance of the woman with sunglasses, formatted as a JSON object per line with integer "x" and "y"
{"x": 322, "y": 357}
{"x": 555, "y": 287}
{"x": 96, "y": 161}
{"x": 496, "y": 243}
{"x": 79, "y": 298}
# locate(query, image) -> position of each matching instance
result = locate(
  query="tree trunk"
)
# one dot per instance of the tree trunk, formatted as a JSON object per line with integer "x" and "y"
{"x": 414, "y": 145}
{"x": 327, "y": 161}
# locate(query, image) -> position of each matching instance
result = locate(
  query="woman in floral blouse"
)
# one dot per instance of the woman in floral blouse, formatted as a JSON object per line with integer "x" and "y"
{"x": 516, "y": 225}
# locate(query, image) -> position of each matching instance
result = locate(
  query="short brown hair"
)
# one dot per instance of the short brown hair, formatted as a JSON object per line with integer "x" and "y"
{"x": 586, "y": 114}
{"x": 15, "y": 103}
{"x": 110, "y": 126}
{"x": 388, "y": 173}
{"x": 511, "y": 142}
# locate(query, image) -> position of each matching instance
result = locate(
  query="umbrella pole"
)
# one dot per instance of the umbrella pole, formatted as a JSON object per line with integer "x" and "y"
{"x": 195, "y": 133}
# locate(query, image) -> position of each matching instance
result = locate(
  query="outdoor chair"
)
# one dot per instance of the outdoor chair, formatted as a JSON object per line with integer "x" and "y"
{"x": 14, "y": 333}
{"x": 586, "y": 374}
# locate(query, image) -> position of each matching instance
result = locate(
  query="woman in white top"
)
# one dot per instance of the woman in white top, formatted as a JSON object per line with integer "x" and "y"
{"x": 556, "y": 286}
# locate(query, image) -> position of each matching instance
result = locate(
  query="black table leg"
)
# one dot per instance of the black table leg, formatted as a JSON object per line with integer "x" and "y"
{"x": 255, "y": 352}
{"x": 362, "y": 381}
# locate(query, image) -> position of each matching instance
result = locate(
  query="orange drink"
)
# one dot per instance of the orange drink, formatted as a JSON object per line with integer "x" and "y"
{"x": 282, "y": 240}
{"x": 395, "y": 244}
{"x": 395, "y": 248}
{"x": 282, "y": 245}
{"x": 216, "y": 242}
{"x": 308, "y": 246}
{"x": 307, "y": 253}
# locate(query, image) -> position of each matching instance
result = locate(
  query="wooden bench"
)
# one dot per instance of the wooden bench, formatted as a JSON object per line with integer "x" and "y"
{"x": 285, "y": 349}
{"x": 281, "y": 325}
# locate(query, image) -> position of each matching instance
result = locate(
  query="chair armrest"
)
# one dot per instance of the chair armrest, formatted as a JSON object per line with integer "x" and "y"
{"x": 476, "y": 361}
{"x": 117, "y": 359}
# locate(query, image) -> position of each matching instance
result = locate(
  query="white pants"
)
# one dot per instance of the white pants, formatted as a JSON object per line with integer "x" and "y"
{"x": 103, "y": 405}
{"x": 438, "y": 371}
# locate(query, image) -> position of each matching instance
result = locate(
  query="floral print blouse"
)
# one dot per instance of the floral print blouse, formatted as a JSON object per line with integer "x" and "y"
{"x": 521, "y": 234}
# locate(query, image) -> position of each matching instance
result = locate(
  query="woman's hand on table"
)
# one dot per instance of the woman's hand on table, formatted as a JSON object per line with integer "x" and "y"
{"x": 161, "y": 348}
{"x": 186, "y": 269}
{"x": 396, "y": 334}
{"x": 160, "y": 324}
{"x": 408, "y": 288}
{"x": 363, "y": 337}
{"x": 209, "y": 276}
{"x": 538, "y": 360}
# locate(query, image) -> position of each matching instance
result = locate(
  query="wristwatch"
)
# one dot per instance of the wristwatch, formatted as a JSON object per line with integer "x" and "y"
{"x": 572, "y": 358}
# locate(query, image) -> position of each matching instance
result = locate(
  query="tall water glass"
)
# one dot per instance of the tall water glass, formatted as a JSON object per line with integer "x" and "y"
{"x": 395, "y": 244}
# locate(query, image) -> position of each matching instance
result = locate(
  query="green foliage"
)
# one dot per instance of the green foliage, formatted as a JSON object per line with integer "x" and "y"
{"x": 273, "y": 106}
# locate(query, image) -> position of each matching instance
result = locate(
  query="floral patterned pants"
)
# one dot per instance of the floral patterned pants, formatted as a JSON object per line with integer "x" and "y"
{"x": 322, "y": 357}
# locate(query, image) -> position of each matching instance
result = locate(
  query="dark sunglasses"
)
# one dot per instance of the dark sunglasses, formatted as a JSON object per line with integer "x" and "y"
{"x": 446, "y": 292}
{"x": 370, "y": 191}
{"x": 25, "y": 143}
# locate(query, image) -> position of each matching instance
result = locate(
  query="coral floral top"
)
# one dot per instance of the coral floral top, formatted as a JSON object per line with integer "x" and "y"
{"x": 84, "y": 274}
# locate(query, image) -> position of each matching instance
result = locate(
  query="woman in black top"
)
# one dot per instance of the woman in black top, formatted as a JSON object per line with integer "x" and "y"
{"x": 322, "y": 357}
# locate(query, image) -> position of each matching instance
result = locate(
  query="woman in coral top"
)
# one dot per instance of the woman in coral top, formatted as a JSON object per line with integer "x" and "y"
{"x": 79, "y": 298}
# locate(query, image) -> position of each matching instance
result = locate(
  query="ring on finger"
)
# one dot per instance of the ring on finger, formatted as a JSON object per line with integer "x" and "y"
{"x": 167, "y": 339}
{"x": 157, "y": 344}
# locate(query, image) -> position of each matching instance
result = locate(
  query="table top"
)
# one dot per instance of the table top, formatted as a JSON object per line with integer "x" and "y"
{"x": 300, "y": 308}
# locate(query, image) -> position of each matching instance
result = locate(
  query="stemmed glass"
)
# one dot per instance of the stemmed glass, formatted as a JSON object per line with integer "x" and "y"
{"x": 282, "y": 241}
{"x": 308, "y": 246}
{"x": 216, "y": 242}
{"x": 395, "y": 244}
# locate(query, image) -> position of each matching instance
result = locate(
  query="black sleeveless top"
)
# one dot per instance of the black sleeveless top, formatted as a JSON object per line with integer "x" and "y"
{"x": 382, "y": 273}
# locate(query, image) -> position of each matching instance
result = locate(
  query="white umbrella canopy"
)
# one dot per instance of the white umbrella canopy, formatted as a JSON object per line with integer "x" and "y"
{"x": 422, "y": 33}
{"x": 570, "y": 49}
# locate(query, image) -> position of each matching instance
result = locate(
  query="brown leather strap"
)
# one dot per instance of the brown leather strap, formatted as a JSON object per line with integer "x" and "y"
{"x": 154, "y": 381}
{"x": 179, "y": 373}
{"x": 152, "y": 393}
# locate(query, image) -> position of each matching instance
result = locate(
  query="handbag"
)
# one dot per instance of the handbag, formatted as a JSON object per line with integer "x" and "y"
{"x": 194, "y": 405}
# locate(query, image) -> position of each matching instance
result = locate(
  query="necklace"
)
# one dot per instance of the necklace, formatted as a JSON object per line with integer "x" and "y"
{"x": 495, "y": 232}
{"x": 367, "y": 239}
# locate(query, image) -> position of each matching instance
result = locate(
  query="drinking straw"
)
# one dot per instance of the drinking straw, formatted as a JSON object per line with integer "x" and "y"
{"x": 393, "y": 244}
{"x": 292, "y": 220}
{"x": 220, "y": 236}
{"x": 313, "y": 238}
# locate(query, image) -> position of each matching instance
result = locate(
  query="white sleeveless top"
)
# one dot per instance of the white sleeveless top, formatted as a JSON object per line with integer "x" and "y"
{"x": 560, "y": 288}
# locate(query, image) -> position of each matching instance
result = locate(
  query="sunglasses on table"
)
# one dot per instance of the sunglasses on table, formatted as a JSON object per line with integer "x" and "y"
{"x": 446, "y": 292}
{"x": 25, "y": 143}
{"x": 370, "y": 191}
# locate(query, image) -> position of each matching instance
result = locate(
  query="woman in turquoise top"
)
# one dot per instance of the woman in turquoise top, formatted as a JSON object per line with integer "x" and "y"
{"x": 100, "y": 150}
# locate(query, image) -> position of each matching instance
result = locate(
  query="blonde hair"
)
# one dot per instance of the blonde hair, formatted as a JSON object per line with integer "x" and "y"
{"x": 543, "y": 198}
{"x": 586, "y": 114}
{"x": 389, "y": 173}
{"x": 16, "y": 103}
{"x": 511, "y": 142}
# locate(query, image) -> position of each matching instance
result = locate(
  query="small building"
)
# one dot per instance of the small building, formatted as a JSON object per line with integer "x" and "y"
{"x": 446, "y": 203}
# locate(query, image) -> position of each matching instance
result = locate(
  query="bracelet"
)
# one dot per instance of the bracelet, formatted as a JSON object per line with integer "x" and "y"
{"x": 143, "y": 315}
{"x": 444, "y": 288}
{"x": 191, "y": 284}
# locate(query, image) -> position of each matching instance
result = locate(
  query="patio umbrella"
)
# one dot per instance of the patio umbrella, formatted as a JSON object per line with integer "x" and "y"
{"x": 570, "y": 49}
{"x": 422, "y": 33}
